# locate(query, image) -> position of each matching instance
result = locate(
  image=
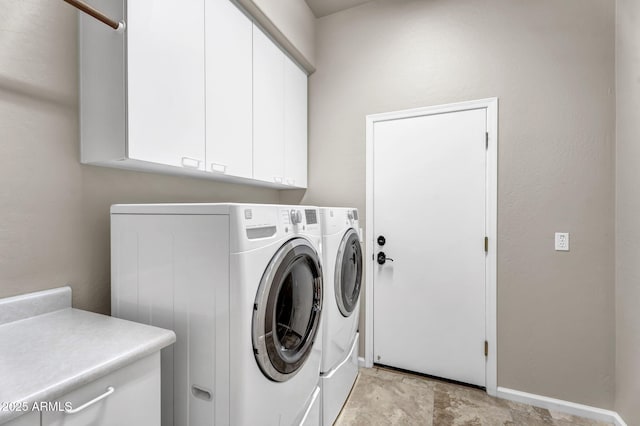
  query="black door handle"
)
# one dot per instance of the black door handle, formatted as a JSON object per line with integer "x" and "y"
{"x": 382, "y": 258}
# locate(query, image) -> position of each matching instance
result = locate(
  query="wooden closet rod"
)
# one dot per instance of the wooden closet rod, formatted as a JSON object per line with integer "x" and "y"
{"x": 92, "y": 11}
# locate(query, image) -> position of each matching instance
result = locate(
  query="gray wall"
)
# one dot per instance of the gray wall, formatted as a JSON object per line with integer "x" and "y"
{"x": 551, "y": 63}
{"x": 295, "y": 20}
{"x": 628, "y": 210}
{"x": 54, "y": 212}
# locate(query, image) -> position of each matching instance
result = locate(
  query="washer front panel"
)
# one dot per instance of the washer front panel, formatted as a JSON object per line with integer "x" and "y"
{"x": 286, "y": 312}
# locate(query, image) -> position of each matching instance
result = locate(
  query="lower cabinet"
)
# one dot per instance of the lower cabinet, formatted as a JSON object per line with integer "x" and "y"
{"x": 129, "y": 396}
{"x": 30, "y": 419}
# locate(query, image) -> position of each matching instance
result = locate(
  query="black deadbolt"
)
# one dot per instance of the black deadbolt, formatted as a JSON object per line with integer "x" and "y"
{"x": 381, "y": 240}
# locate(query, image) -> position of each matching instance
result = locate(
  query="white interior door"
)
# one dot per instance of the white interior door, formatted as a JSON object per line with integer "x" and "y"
{"x": 429, "y": 203}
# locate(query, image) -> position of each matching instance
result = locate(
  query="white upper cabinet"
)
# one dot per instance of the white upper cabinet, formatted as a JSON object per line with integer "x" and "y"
{"x": 268, "y": 109}
{"x": 165, "y": 82}
{"x": 229, "y": 136}
{"x": 295, "y": 125}
{"x": 279, "y": 115}
{"x": 194, "y": 88}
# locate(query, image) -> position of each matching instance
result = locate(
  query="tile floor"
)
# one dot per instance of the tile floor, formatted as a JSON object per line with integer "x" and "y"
{"x": 387, "y": 397}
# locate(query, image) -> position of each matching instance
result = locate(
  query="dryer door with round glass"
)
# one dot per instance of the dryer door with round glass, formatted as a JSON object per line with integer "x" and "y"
{"x": 286, "y": 313}
{"x": 348, "y": 273}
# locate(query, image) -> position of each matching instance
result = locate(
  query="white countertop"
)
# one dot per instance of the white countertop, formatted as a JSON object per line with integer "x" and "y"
{"x": 45, "y": 356}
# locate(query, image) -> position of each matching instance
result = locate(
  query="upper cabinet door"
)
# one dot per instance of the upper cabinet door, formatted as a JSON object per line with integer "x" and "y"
{"x": 268, "y": 109}
{"x": 229, "y": 139}
{"x": 295, "y": 125}
{"x": 165, "y": 86}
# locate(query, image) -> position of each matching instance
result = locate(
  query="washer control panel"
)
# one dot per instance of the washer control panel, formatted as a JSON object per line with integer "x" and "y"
{"x": 294, "y": 219}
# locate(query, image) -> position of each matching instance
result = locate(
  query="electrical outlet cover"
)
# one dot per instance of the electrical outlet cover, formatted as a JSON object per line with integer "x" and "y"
{"x": 562, "y": 241}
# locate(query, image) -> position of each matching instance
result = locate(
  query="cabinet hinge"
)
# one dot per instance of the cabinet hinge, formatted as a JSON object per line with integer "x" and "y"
{"x": 486, "y": 348}
{"x": 486, "y": 140}
{"x": 486, "y": 244}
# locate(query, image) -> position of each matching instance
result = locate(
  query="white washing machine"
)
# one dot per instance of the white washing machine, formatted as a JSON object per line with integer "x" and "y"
{"x": 343, "y": 266}
{"x": 241, "y": 285}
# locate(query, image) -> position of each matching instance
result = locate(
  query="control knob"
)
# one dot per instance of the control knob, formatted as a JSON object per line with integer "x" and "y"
{"x": 296, "y": 217}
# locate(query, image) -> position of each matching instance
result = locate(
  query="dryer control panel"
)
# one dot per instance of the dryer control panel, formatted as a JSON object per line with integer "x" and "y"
{"x": 335, "y": 219}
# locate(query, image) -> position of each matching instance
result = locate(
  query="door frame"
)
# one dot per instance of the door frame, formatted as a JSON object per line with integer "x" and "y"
{"x": 491, "y": 106}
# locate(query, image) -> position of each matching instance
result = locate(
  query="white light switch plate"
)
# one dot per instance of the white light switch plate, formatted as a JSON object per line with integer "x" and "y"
{"x": 562, "y": 241}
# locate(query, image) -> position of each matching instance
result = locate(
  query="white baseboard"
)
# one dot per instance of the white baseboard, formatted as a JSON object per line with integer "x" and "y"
{"x": 561, "y": 406}
{"x": 361, "y": 362}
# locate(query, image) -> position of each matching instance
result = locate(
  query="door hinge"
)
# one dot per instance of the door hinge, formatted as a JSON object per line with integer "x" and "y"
{"x": 486, "y": 348}
{"x": 486, "y": 244}
{"x": 486, "y": 140}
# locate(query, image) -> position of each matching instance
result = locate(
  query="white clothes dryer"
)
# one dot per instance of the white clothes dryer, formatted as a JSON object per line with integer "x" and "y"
{"x": 241, "y": 285}
{"x": 343, "y": 268}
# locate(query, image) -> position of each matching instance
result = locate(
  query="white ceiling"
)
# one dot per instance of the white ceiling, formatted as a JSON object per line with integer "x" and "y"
{"x": 322, "y": 8}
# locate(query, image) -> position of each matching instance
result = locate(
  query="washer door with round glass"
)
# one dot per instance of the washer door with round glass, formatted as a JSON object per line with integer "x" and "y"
{"x": 348, "y": 274}
{"x": 286, "y": 313}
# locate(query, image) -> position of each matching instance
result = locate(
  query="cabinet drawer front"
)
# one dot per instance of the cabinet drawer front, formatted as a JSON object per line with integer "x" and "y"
{"x": 129, "y": 396}
{"x": 29, "y": 419}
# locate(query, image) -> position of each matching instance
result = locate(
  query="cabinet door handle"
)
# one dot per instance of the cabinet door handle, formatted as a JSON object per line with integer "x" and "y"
{"x": 191, "y": 163}
{"x": 219, "y": 167}
{"x": 277, "y": 179}
{"x": 109, "y": 391}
